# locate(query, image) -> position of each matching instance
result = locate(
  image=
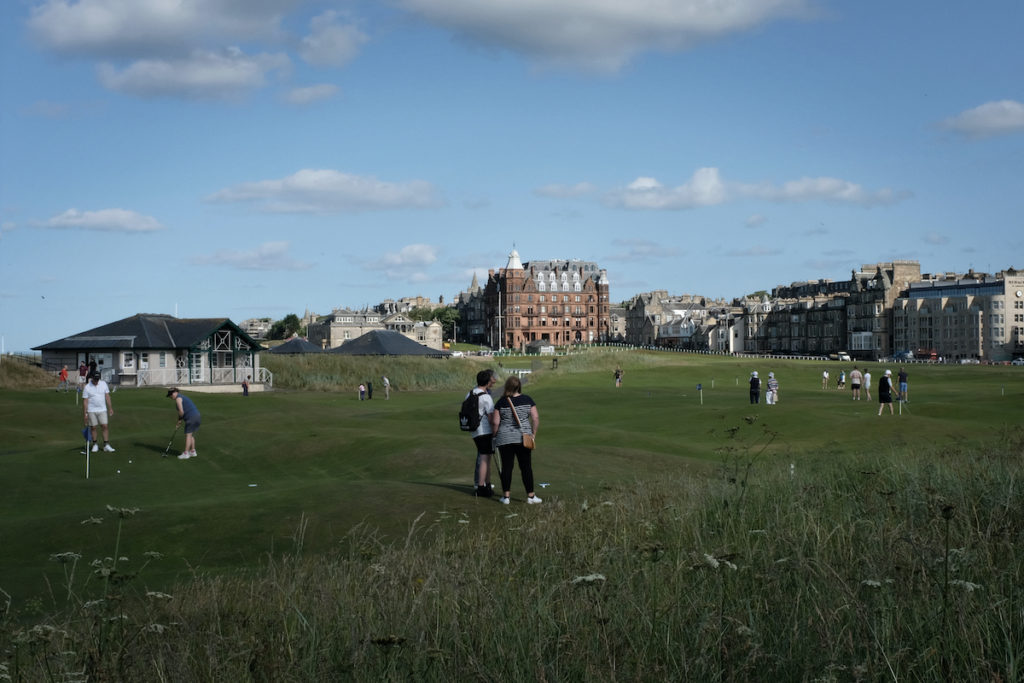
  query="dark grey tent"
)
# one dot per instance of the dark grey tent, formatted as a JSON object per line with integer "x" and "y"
{"x": 297, "y": 345}
{"x": 386, "y": 343}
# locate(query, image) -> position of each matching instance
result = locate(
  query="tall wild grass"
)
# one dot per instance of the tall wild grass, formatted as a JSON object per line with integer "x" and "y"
{"x": 895, "y": 566}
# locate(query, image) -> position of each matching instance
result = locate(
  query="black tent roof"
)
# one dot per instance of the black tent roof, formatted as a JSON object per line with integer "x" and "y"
{"x": 146, "y": 331}
{"x": 297, "y": 345}
{"x": 386, "y": 343}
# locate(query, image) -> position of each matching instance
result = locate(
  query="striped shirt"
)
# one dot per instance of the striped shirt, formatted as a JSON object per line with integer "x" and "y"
{"x": 508, "y": 430}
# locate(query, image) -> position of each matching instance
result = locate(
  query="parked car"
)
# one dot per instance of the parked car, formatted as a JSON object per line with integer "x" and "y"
{"x": 1017, "y": 361}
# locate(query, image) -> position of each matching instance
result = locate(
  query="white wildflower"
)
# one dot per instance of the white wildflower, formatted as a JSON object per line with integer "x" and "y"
{"x": 463, "y": 521}
{"x": 710, "y": 561}
{"x": 157, "y": 595}
{"x": 729, "y": 564}
{"x": 156, "y": 628}
{"x": 64, "y": 558}
{"x": 761, "y": 532}
{"x": 966, "y": 585}
{"x": 871, "y": 583}
{"x": 585, "y": 506}
{"x": 589, "y": 578}
{"x": 92, "y": 520}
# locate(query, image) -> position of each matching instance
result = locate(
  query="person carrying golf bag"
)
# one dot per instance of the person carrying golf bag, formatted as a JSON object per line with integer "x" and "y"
{"x": 189, "y": 414}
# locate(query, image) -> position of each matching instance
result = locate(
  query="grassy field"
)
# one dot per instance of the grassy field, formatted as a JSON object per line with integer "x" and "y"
{"x": 291, "y": 474}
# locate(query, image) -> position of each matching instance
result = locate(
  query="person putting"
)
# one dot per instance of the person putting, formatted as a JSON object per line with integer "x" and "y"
{"x": 189, "y": 414}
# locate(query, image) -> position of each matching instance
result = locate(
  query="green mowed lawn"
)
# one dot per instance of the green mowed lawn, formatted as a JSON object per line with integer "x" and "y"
{"x": 284, "y": 470}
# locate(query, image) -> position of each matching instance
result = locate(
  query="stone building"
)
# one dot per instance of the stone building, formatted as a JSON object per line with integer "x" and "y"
{"x": 558, "y": 302}
{"x": 973, "y": 316}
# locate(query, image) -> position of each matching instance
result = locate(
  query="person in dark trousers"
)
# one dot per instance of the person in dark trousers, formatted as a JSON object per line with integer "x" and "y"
{"x": 369, "y": 389}
{"x": 245, "y": 386}
{"x": 755, "y": 388}
{"x": 885, "y": 391}
{"x": 189, "y": 414}
{"x": 508, "y": 436}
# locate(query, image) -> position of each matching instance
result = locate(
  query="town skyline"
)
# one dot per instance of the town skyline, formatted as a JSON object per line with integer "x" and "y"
{"x": 214, "y": 158}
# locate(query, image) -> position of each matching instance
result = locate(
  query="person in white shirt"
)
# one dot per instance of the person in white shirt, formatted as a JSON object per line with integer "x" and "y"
{"x": 483, "y": 436}
{"x": 97, "y": 409}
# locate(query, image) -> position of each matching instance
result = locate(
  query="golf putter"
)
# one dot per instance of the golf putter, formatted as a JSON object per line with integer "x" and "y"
{"x": 173, "y": 434}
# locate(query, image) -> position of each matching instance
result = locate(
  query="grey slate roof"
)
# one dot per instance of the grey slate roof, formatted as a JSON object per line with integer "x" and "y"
{"x": 296, "y": 345}
{"x": 386, "y": 343}
{"x": 147, "y": 331}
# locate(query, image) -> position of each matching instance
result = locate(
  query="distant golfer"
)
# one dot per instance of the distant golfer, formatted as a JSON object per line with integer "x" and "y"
{"x": 387, "y": 387}
{"x": 245, "y": 386}
{"x": 824, "y": 379}
{"x": 618, "y": 377}
{"x": 63, "y": 377}
{"x": 903, "y": 385}
{"x": 98, "y": 409}
{"x": 771, "y": 397}
{"x": 189, "y": 414}
{"x": 867, "y": 383}
{"x": 755, "y": 388}
{"x": 885, "y": 390}
{"x": 856, "y": 378}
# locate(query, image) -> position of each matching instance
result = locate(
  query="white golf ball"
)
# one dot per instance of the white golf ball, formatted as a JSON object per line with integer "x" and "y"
{"x": 129, "y": 462}
{"x": 119, "y": 471}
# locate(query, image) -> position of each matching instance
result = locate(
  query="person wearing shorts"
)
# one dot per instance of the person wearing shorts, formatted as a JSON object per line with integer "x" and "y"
{"x": 902, "y": 377}
{"x": 483, "y": 436}
{"x": 98, "y": 409}
{"x": 189, "y": 414}
{"x": 855, "y": 381}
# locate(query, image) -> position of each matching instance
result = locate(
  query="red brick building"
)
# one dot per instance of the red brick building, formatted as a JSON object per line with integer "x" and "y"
{"x": 556, "y": 302}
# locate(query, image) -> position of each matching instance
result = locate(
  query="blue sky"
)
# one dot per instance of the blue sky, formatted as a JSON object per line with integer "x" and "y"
{"x": 249, "y": 158}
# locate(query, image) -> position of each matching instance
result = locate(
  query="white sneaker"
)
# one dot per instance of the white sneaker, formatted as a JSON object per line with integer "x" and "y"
{"x": 184, "y": 456}
{"x": 193, "y": 454}
{"x": 532, "y": 500}
{"x": 95, "y": 447}
{"x": 504, "y": 501}
{"x": 108, "y": 448}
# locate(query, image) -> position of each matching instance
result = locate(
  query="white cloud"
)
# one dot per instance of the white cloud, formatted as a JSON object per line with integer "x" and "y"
{"x": 144, "y": 28}
{"x": 600, "y": 35}
{"x": 756, "y": 220}
{"x": 107, "y": 220}
{"x": 638, "y": 250}
{"x": 990, "y": 119}
{"x": 331, "y": 43}
{"x": 707, "y": 188}
{"x": 413, "y": 255}
{"x": 201, "y": 75}
{"x": 407, "y": 264}
{"x": 267, "y": 256}
{"x": 754, "y": 251}
{"x": 935, "y": 239}
{"x": 329, "y": 191}
{"x": 565, "y": 191}
{"x": 311, "y": 93}
{"x": 822, "y": 189}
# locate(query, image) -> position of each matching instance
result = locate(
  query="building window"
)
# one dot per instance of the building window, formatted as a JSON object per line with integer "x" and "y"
{"x": 163, "y": 359}
{"x": 128, "y": 360}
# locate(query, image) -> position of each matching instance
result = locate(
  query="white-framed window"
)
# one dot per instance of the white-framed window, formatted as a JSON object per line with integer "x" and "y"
{"x": 163, "y": 359}
{"x": 127, "y": 360}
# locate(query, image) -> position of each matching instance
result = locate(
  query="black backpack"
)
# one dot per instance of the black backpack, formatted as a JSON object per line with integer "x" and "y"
{"x": 469, "y": 413}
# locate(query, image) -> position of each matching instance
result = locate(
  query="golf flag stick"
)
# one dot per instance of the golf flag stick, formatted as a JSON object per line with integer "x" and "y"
{"x": 172, "y": 439}
{"x": 86, "y": 432}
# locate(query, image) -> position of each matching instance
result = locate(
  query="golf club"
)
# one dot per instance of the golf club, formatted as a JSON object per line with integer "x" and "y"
{"x": 173, "y": 434}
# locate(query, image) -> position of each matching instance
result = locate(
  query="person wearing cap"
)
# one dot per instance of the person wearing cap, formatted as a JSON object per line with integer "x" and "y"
{"x": 771, "y": 397}
{"x": 755, "y": 388}
{"x": 885, "y": 392}
{"x": 97, "y": 409}
{"x": 189, "y": 414}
